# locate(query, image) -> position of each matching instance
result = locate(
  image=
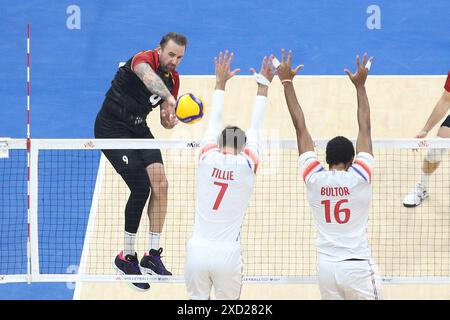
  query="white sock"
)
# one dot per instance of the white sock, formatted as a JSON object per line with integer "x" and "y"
{"x": 424, "y": 179}
{"x": 153, "y": 240}
{"x": 129, "y": 240}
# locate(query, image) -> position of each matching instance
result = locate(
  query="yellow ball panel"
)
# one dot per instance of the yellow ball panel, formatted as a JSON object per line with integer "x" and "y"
{"x": 189, "y": 110}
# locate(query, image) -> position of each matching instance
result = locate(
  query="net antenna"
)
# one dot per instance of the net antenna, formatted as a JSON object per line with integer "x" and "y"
{"x": 28, "y": 155}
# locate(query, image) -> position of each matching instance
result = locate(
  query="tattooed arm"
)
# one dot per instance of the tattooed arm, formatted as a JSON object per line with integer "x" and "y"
{"x": 151, "y": 80}
{"x": 154, "y": 83}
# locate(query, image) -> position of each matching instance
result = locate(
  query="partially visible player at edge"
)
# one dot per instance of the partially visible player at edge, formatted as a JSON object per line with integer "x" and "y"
{"x": 147, "y": 80}
{"x": 225, "y": 180}
{"x": 434, "y": 156}
{"x": 339, "y": 197}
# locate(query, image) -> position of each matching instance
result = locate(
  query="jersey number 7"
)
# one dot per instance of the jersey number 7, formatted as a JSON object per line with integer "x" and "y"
{"x": 337, "y": 211}
{"x": 223, "y": 188}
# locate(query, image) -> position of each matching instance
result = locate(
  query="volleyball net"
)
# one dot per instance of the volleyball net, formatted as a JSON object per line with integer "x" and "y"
{"x": 70, "y": 227}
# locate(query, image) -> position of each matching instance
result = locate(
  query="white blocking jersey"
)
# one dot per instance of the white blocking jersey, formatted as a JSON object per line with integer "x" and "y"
{"x": 340, "y": 203}
{"x": 225, "y": 184}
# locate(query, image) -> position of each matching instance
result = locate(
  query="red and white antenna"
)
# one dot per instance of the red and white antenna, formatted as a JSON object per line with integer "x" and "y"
{"x": 28, "y": 87}
{"x": 28, "y": 154}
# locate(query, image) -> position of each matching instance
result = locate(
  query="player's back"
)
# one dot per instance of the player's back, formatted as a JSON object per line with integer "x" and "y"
{"x": 224, "y": 186}
{"x": 340, "y": 202}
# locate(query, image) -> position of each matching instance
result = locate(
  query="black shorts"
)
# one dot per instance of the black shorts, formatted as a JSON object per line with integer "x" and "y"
{"x": 446, "y": 122}
{"x": 109, "y": 126}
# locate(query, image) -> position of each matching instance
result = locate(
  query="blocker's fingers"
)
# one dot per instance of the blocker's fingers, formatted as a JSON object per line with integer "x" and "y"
{"x": 290, "y": 57}
{"x": 369, "y": 63}
{"x": 298, "y": 68}
{"x": 230, "y": 58}
{"x": 348, "y": 73}
{"x": 264, "y": 62}
{"x": 235, "y": 71}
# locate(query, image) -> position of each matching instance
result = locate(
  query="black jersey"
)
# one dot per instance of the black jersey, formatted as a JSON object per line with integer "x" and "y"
{"x": 131, "y": 94}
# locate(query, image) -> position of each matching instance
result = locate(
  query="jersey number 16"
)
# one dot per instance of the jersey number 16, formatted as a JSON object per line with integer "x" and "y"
{"x": 341, "y": 215}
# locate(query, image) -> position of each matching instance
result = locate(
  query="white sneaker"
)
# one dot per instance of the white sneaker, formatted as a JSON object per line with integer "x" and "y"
{"x": 415, "y": 197}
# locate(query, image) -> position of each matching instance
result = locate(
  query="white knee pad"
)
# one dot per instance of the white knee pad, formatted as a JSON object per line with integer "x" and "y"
{"x": 435, "y": 155}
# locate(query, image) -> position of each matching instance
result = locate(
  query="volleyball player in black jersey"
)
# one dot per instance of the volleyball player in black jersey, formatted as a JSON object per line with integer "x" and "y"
{"x": 147, "y": 80}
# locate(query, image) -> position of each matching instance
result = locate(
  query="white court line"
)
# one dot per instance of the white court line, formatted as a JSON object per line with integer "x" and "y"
{"x": 90, "y": 226}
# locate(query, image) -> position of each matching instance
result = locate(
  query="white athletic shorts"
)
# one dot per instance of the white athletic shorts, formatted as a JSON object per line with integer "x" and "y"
{"x": 217, "y": 264}
{"x": 349, "y": 280}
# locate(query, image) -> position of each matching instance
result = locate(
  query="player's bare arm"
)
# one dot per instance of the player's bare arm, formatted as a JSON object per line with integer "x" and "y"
{"x": 155, "y": 85}
{"x": 152, "y": 81}
{"x": 439, "y": 111}
{"x": 286, "y": 75}
{"x": 364, "y": 140}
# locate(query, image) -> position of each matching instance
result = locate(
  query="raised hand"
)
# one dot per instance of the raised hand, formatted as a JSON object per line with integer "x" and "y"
{"x": 223, "y": 73}
{"x": 362, "y": 70}
{"x": 285, "y": 71}
{"x": 267, "y": 69}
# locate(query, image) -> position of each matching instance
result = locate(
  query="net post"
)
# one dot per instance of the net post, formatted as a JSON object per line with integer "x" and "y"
{"x": 33, "y": 243}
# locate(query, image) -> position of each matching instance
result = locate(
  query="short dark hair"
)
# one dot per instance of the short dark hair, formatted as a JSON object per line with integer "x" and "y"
{"x": 232, "y": 137}
{"x": 175, "y": 37}
{"x": 339, "y": 150}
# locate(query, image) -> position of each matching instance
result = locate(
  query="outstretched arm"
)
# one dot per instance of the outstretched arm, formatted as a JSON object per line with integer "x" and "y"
{"x": 155, "y": 85}
{"x": 439, "y": 111}
{"x": 254, "y": 133}
{"x": 152, "y": 81}
{"x": 364, "y": 140}
{"x": 223, "y": 74}
{"x": 286, "y": 74}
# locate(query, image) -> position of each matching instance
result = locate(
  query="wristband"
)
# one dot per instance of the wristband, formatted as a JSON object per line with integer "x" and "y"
{"x": 285, "y": 81}
{"x": 261, "y": 79}
{"x": 276, "y": 63}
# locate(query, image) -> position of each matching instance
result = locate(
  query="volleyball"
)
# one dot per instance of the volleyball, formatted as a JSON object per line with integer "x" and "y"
{"x": 189, "y": 108}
